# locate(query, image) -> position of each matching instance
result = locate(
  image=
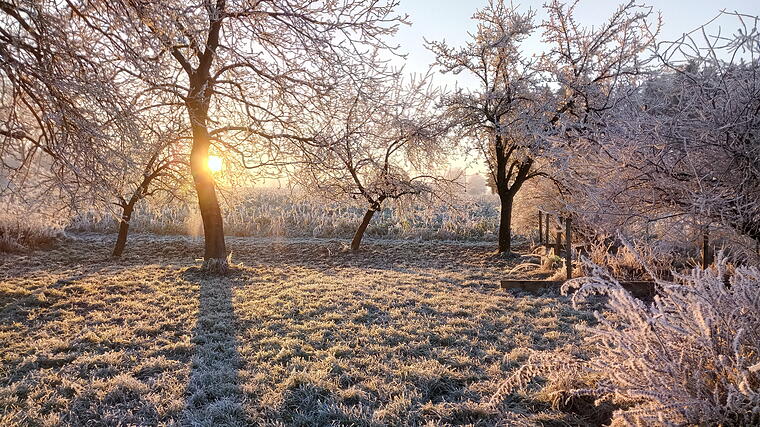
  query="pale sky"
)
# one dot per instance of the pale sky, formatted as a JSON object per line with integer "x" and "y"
{"x": 451, "y": 20}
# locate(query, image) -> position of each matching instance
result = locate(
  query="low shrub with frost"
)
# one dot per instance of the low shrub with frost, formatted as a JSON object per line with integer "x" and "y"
{"x": 692, "y": 356}
{"x": 628, "y": 261}
{"x": 20, "y": 231}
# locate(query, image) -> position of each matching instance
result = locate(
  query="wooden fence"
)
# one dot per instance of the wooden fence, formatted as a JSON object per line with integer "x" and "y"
{"x": 640, "y": 289}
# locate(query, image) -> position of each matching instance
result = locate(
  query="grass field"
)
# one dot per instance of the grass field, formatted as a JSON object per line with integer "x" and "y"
{"x": 301, "y": 332}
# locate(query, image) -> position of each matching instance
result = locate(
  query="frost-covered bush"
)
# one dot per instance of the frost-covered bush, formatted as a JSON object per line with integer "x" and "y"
{"x": 690, "y": 357}
{"x": 273, "y": 213}
{"x": 20, "y": 232}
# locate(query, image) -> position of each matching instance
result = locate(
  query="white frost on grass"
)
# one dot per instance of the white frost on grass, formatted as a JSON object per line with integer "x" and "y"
{"x": 301, "y": 332}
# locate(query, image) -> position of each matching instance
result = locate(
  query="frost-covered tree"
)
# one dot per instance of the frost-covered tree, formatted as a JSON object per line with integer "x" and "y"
{"x": 240, "y": 69}
{"x": 376, "y": 140}
{"x": 594, "y": 70}
{"x": 525, "y": 110}
{"x": 700, "y": 127}
{"x": 52, "y": 93}
{"x": 159, "y": 155}
{"x": 73, "y": 125}
{"x": 493, "y": 115}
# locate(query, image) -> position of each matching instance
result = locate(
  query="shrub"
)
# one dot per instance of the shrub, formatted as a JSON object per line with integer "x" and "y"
{"x": 20, "y": 232}
{"x": 692, "y": 356}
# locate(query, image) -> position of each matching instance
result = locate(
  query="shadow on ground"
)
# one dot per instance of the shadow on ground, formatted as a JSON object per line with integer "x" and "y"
{"x": 214, "y": 397}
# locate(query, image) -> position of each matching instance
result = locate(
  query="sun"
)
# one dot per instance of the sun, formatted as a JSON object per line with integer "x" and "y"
{"x": 214, "y": 163}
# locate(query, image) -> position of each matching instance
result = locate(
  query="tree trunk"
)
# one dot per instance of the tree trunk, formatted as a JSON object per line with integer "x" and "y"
{"x": 505, "y": 223}
{"x": 121, "y": 240}
{"x": 362, "y": 228}
{"x": 215, "y": 251}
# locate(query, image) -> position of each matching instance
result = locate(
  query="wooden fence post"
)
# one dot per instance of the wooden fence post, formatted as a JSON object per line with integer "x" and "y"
{"x": 547, "y": 230}
{"x": 540, "y": 227}
{"x": 558, "y": 244}
{"x": 569, "y": 248}
{"x": 706, "y": 258}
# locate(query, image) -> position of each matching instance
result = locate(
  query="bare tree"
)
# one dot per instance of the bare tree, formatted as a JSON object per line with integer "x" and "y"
{"x": 237, "y": 66}
{"x": 494, "y": 115}
{"x": 164, "y": 172}
{"x": 73, "y": 124}
{"x": 376, "y": 140}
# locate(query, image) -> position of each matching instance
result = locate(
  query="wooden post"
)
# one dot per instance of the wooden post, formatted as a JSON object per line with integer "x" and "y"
{"x": 547, "y": 229}
{"x": 706, "y": 258}
{"x": 558, "y": 244}
{"x": 568, "y": 248}
{"x": 540, "y": 227}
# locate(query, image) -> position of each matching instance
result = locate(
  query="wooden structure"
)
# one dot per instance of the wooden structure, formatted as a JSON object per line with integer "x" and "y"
{"x": 640, "y": 289}
{"x": 645, "y": 290}
{"x": 557, "y": 245}
{"x": 707, "y": 256}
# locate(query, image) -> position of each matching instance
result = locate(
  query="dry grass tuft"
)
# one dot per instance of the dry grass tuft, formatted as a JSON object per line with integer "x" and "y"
{"x": 22, "y": 233}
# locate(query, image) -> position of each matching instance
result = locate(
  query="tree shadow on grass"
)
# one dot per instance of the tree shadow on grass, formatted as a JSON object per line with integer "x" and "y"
{"x": 214, "y": 396}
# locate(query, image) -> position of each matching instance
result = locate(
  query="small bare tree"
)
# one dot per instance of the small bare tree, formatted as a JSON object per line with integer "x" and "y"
{"x": 377, "y": 140}
{"x": 163, "y": 172}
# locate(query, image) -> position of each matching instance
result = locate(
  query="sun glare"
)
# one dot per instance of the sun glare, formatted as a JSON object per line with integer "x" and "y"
{"x": 214, "y": 163}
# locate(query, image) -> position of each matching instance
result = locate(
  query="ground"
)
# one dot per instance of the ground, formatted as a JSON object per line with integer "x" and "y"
{"x": 301, "y": 332}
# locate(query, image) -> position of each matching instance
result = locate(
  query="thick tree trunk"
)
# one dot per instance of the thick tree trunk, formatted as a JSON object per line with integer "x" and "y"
{"x": 215, "y": 251}
{"x": 505, "y": 223}
{"x": 362, "y": 228}
{"x": 121, "y": 240}
{"x": 509, "y": 176}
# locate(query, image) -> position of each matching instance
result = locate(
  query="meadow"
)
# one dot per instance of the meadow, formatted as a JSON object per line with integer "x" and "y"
{"x": 412, "y": 329}
{"x": 301, "y": 332}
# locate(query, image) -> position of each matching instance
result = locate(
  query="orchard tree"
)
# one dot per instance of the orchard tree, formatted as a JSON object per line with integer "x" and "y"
{"x": 685, "y": 143}
{"x": 526, "y": 110}
{"x": 155, "y": 167}
{"x": 72, "y": 125}
{"x": 704, "y": 133}
{"x": 237, "y": 66}
{"x": 494, "y": 115}
{"x": 376, "y": 140}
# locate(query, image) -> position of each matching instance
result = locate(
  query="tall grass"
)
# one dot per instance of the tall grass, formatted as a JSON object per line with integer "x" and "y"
{"x": 23, "y": 231}
{"x": 276, "y": 213}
